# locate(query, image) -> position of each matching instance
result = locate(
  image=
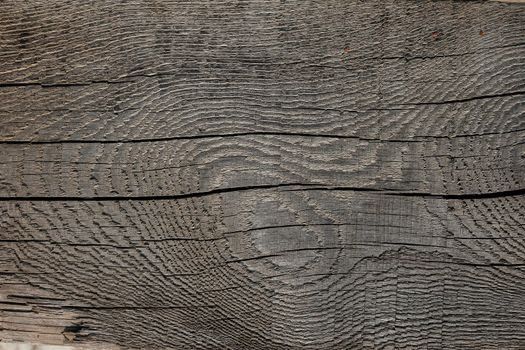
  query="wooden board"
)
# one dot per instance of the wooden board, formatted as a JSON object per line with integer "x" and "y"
{"x": 262, "y": 174}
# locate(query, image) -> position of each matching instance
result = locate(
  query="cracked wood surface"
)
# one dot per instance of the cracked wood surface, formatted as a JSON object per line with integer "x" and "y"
{"x": 262, "y": 174}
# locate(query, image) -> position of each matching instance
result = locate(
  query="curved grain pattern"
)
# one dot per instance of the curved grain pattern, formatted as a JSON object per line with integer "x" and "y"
{"x": 263, "y": 174}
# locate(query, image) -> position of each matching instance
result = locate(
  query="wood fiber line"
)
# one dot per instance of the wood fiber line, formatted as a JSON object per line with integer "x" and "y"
{"x": 263, "y": 174}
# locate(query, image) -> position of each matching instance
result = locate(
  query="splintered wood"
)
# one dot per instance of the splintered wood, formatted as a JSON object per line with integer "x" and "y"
{"x": 262, "y": 175}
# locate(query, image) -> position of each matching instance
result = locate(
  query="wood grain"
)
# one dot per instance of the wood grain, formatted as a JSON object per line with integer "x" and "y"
{"x": 262, "y": 174}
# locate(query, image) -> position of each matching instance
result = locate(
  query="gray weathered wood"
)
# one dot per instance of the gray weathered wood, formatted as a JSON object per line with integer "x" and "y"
{"x": 263, "y": 174}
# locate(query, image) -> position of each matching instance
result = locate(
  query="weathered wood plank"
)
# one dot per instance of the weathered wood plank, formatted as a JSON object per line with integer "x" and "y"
{"x": 263, "y": 174}
{"x": 337, "y": 256}
{"x": 182, "y": 74}
{"x": 435, "y": 166}
{"x": 70, "y": 41}
{"x": 56, "y": 115}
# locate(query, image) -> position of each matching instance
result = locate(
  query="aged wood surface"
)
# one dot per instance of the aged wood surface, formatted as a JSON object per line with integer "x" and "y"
{"x": 263, "y": 174}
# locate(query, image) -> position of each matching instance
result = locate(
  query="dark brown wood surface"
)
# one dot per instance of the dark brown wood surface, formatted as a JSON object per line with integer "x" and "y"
{"x": 263, "y": 174}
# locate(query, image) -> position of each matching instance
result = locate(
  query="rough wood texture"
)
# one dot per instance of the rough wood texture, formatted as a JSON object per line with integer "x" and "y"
{"x": 263, "y": 174}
